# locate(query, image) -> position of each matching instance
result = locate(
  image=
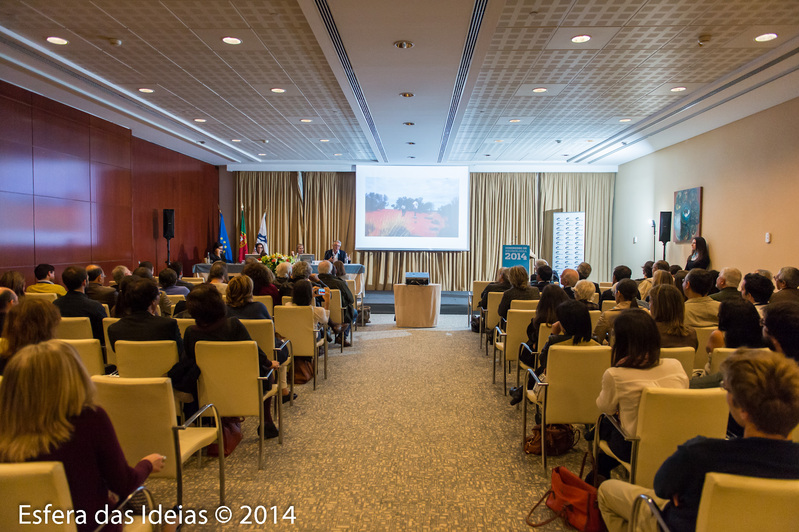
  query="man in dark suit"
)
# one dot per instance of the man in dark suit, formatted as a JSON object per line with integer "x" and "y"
{"x": 76, "y": 304}
{"x": 95, "y": 289}
{"x": 141, "y": 297}
{"x": 336, "y": 253}
{"x": 619, "y": 274}
{"x": 333, "y": 282}
{"x": 177, "y": 267}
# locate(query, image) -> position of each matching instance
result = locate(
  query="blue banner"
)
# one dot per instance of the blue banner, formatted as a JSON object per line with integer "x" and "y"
{"x": 516, "y": 256}
{"x": 223, "y": 239}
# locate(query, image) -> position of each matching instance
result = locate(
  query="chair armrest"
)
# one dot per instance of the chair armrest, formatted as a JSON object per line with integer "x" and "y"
{"x": 503, "y": 323}
{"x": 141, "y": 489}
{"x": 537, "y": 379}
{"x": 498, "y": 333}
{"x": 196, "y": 415}
{"x": 266, "y": 377}
{"x": 617, "y": 426}
{"x": 643, "y": 503}
{"x": 280, "y": 348}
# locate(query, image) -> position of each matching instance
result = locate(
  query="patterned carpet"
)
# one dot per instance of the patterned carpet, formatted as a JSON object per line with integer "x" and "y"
{"x": 407, "y": 433}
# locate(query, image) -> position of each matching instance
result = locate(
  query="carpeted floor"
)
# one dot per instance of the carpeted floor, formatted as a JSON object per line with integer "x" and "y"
{"x": 407, "y": 433}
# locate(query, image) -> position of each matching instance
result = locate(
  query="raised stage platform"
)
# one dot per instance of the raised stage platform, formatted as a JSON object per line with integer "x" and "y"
{"x": 382, "y": 302}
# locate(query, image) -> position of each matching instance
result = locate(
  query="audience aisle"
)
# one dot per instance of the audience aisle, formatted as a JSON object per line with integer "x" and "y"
{"x": 407, "y": 433}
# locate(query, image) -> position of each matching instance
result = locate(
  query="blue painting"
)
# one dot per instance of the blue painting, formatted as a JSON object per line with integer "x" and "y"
{"x": 687, "y": 215}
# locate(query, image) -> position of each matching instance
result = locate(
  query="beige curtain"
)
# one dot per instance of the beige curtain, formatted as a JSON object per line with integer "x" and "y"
{"x": 589, "y": 192}
{"x": 278, "y": 195}
{"x": 329, "y": 207}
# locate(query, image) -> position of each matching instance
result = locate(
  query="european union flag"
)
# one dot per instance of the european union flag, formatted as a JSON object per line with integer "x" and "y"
{"x": 228, "y": 253}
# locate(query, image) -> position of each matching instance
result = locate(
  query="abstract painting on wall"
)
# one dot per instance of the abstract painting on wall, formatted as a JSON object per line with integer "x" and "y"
{"x": 687, "y": 214}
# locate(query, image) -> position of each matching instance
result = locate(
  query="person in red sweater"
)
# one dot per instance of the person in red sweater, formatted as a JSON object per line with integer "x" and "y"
{"x": 49, "y": 415}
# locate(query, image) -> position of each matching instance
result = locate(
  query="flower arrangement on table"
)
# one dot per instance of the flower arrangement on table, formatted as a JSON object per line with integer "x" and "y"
{"x": 274, "y": 259}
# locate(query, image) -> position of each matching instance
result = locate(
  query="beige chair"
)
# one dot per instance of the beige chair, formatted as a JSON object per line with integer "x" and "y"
{"x": 702, "y": 336}
{"x": 595, "y": 298}
{"x": 296, "y": 324}
{"x": 183, "y": 324}
{"x": 193, "y": 280}
{"x": 74, "y": 329}
{"x": 605, "y": 286}
{"x": 107, "y": 310}
{"x": 263, "y": 332}
{"x": 490, "y": 316}
{"x": 144, "y": 418}
{"x": 268, "y": 303}
{"x": 145, "y": 359}
{"x": 47, "y": 296}
{"x": 524, "y": 304}
{"x": 39, "y": 484}
{"x": 174, "y": 300}
{"x": 668, "y": 417}
{"x": 719, "y": 355}
{"x": 110, "y": 354}
{"x": 357, "y": 297}
{"x": 595, "y": 314}
{"x": 337, "y": 315}
{"x": 473, "y": 299}
{"x": 544, "y": 331}
{"x": 230, "y": 379}
{"x": 684, "y": 354}
{"x": 608, "y": 304}
{"x": 574, "y": 380}
{"x": 508, "y": 343}
{"x": 91, "y": 354}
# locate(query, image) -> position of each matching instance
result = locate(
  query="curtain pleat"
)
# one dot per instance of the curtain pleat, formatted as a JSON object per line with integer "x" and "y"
{"x": 329, "y": 206}
{"x": 277, "y": 195}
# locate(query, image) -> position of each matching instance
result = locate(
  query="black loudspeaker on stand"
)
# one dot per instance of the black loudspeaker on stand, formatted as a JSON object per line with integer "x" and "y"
{"x": 665, "y": 229}
{"x": 169, "y": 230}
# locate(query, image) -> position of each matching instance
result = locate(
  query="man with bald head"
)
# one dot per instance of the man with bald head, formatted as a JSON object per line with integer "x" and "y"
{"x": 569, "y": 278}
{"x": 95, "y": 288}
{"x": 7, "y": 300}
{"x": 786, "y": 282}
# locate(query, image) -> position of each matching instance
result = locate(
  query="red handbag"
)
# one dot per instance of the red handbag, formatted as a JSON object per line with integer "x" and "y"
{"x": 573, "y": 500}
{"x": 231, "y": 436}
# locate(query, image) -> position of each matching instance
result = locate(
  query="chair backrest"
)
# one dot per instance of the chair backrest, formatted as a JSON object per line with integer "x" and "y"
{"x": 296, "y": 324}
{"x": 595, "y": 298}
{"x": 595, "y": 314}
{"x": 183, "y": 324}
{"x": 668, "y": 417}
{"x": 524, "y": 304}
{"x": 684, "y": 354}
{"x": 229, "y": 377}
{"x": 74, "y": 329}
{"x": 110, "y": 354}
{"x": 143, "y": 414}
{"x": 608, "y": 304}
{"x": 175, "y": 299}
{"x": 263, "y": 332}
{"x": 492, "y": 314}
{"x": 720, "y": 354}
{"x": 37, "y": 484}
{"x": 193, "y": 280}
{"x": 267, "y": 301}
{"x": 107, "y": 310}
{"x": 727, "y": 503}
{"x": 351, "y": 286}
{"x": 336, "y": 312}
{"x": 574, "y": 374}
{"x": 145, "y": 359}
{"x": 544, "y": 332}
{"x": 702, "y": 336}
{"x": 477, "y": 291}
{"x": 518, "y": 320}
{"x": 605, "y": 286}
{"x": 47, "y": 296}
{"x": 91, "y": 354}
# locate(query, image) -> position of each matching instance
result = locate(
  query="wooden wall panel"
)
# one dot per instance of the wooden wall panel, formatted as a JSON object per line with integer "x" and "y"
{"x": 110, "y": 144}
{"x": 16, "y": 119}
{"x": 62, "y": 230}
{"x": 61, "y": 134}
{"x": 16, "y": 221}
{"x": 110, "y": 185}
{"x": 60, "y": 175}
{"x": 16, "y": 170}
{"x": 112, "y": 235}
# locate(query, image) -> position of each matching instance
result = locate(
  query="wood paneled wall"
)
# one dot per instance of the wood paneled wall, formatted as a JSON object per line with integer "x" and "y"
{"x": 75, "y": 189}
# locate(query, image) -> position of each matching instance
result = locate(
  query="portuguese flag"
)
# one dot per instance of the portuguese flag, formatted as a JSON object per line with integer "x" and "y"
{"x": 242, "y": 237}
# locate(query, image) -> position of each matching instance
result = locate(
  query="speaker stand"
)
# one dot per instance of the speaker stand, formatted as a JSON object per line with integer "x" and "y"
{"x": 664, "y": 250}
{"x": 168, "y": 259}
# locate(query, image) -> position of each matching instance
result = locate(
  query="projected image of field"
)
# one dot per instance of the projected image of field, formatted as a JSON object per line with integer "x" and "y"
{"x": 411, "y": 216}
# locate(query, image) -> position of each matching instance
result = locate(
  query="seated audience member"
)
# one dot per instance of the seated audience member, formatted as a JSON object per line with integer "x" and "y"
{"x": 217, "y": 276}
{"x": 259, "y": 249}
{"x": 569, "y": 278}
{"x": 302, "y": 270}
{"x": 240, "y": 303}
{"x": 168, "y": 280}
{"x": 786, "y": 282}
{"x": 283, "y": 280}
{"x": 765, "y": 273}
{"x": 636, "y": 364}
{"x": 95, "y": 289}
{"x": 208, "y": 310}
{"x": 341, "y": 270}
{"x": 674, "y": 268}
{"x": 217, "y": 253}
{"x": 29, "y": 322}
{"x": 668, "y": 311}
{"x": 520, "y": 289}
{"x": 679, "y": 279}
{"x": 7, "y": 300}
{"x": 763, "y": 396}
{"x": 545, "y": 313}
{"x": 119, "y": 273}
{"x": 619, "y": 274}
{"x": 781, "y": 328}
{"x": 584, "y": 293}
{"x": 660, "y": 265}
{"x": 335, "y": 252}
{"x": 263, "y": 281}
{"x": 700, "y": 310}
{"x": 500, "y": 285}
{"x": 727, "y": 283}
{"x": 49, "y": 414}
{"x": 700, "y": 258}
{"x": 757, "y": 289}
{"x": 543, "y": 276}
{"x": 305, "y": 296}
{"x": 164, "y": 304}
{"x": 177, "y": 267}
{"x": 45, "y": 275}
{"x": 141, "y": 297}
{"x": 660, "y": 277}
{"x": 714, "y": 276}
{"x": 347, "y": 300}
{"x": 76, "y": 304}
{"x": 646, "y": 283}
{"x": 626, "y": 292}
{"x": 14, "y": 280}
{"x": 149, "y": 265}
{"x": 584, "y": 270}
{"x": 739, "y": 326}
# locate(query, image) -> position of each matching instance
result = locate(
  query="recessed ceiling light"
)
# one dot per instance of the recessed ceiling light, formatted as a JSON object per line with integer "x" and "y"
{"x": 236, "y": 140}
{"x": 145, "y": 90}
{"x": 200, "y": 120}
{"x": 231, "y": 40}
{"x": 411, "y": 157}
{"x": 578, "y": 39}
{"x": 278, "y": 90}
{"x": 410, "y": 143}
{"x": 336, "y": 155}
{"x": 677, "y": 89}
{"x": 626, "y": 120}
{"x": 403, "y": 45}
{"x": 565, "y": 155}
{"x": 766, "y": 37}
{"x": 261, "y": 155}
{"x": 324, "y": 140}
{"x": 499, "y": 140}
{"x": 540, "y": 89}
{"x": 487, "y": 155}
{"x": 306, "y": 120}
{"x": 408, "y": 124}
{"x": 514, "y": 120}
{"x": 57, "y": 40}
{"x": 406, "y": 94}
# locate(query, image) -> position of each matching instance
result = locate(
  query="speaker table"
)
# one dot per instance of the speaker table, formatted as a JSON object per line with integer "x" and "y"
{"x": 417, "y": 306}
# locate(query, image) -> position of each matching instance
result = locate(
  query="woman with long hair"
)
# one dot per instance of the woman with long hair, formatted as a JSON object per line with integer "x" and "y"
{"x": 545, "y": 312}
{"x": 668, "y": 311}
{"x": 626, "y": 298}
{"x": 49, "y": 414}
{"x": 341, "y": 272}
{"x": 263, "y": 281}
{"x": 15, "y": 281}
{"x": 30, "y": 321}
{"x": 700, "y": 258}
{"x": 636, "y": 364}
{"x": 240, "y": 303}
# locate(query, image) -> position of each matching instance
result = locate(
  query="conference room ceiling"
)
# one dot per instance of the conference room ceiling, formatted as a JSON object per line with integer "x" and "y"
{"x": 472, "y": 70}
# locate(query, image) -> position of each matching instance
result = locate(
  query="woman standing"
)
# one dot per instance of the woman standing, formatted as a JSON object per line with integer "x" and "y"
{"x": 699, "y": 256}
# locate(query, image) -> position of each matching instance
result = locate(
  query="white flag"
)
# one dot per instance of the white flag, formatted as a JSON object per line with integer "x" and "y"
{"x": 261, "y": 239}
